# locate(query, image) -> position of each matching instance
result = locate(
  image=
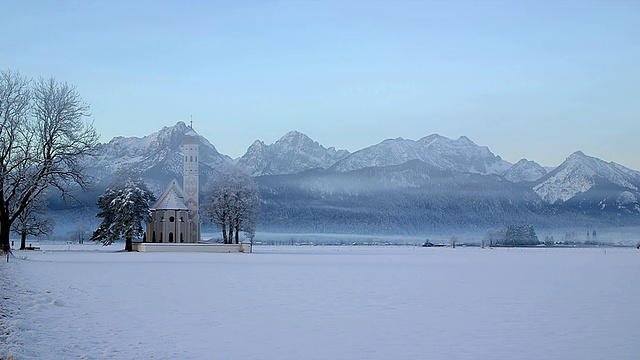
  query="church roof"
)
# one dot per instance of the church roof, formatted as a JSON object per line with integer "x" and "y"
{"x": 191, "y": 138}
{"x": 171, "y": 199}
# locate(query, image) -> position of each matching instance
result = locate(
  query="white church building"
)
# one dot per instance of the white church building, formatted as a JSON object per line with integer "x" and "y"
{"x": 175, "y": 217}
{"x": 174, "y": 224}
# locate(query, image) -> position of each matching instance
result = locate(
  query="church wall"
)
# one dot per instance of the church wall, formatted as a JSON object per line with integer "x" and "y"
{"x": 169, "y": 226}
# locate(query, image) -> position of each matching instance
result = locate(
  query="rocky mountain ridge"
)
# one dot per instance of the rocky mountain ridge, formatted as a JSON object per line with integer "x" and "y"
{"x": 398, "y": 185}
{"x": 585, "y": 177}
{"x": 461, "y": 155}
{"x": 293, "y": 153}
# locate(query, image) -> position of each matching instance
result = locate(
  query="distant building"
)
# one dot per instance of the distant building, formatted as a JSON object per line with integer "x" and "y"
{"x": 175, "y": 217}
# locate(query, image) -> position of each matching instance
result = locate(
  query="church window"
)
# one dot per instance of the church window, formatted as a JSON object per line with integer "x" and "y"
{"x": 191, "y": 158}
{"x": 196, "y": 159}
{"x": 171, "y": 218}
{"x": 170, "y": 237}
{"x": 153, "y": 239}
{"x": 181, "y": 239}
{"x": 161, "y": 236}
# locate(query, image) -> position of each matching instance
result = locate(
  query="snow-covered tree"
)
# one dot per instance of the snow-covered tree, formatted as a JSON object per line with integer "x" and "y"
{"x": 232, "y": 201}
{"x": 43, "y": 139}
{"x": 520, "y": 235}
{"x": 33, "y": 221}
{"x": 124, "y": 205}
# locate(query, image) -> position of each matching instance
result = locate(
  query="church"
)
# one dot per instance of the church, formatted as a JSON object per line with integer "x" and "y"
{"x": 174, "y": 224}
{"x": 175, "y": 217}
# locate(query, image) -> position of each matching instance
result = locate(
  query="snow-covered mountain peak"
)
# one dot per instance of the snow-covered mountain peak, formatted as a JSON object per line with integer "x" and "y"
{"x": 257, "y": 147}
{"x": 296, "y": 140}
{"x": 155, "y": 156}
{"x": 293, "y": 135}
{"x": 429, "y": 139}
{"x": 292, "y": 153}
{"x": 464, "y": 139}
{"x": 258, "y": 144}
{"x": 524, "y": 171}
{"x": 580, "y": 173}
{"x": 461, "y": 155}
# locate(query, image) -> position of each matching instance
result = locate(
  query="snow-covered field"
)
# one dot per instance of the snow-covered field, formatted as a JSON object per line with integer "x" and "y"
{"x": 322, "y": 303}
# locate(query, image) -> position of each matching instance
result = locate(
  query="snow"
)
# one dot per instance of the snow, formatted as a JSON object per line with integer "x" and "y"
{"x": 293, "y": 153}
{"x": 172, "y": 198}
{"x": 322, "y": 303}
{"x": 159, "y": 151}
{"x": 524, "y": 171}
{"x": 461, "y": 155}
{"x": 578, "y": 174}
{"x": 626, "y": 197}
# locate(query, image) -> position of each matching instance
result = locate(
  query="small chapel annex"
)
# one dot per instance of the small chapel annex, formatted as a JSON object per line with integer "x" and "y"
{"x": 175, "y": 217}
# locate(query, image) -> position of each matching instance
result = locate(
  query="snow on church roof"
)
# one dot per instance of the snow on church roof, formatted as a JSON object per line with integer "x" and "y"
{"x": 171, "y": 198}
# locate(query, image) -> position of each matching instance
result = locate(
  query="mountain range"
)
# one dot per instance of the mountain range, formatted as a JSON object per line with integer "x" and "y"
{"x": 397, "y": 186}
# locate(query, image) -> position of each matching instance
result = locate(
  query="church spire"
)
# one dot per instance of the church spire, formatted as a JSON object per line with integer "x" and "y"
{"x": 191, "y": 178}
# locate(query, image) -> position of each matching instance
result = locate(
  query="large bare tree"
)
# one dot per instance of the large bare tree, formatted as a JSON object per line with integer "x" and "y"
{"x": 43, "y": 140}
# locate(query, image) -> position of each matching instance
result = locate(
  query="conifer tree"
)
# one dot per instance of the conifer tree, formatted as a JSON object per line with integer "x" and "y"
{"x": 124, "y": 205}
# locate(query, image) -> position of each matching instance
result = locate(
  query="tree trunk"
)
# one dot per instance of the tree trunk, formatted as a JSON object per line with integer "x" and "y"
{"x": 237, "y": 232}
{"x": 230, "y": 233}
{"x": 23, "y": 240}
{"x": 224, "y": 232}
{"x": 5, "y": 226}
{"x": 128, "y": 245}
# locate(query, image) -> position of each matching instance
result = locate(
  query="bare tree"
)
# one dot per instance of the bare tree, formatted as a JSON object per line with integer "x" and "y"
{"x": 232, "y": 201}
{"x": 454, "y": 240}
{"x": 43, "y": 139}
{"x": 33, "y": 221}
{"x": 80, "y": 233}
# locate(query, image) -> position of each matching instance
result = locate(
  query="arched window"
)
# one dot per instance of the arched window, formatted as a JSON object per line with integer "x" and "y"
{"x": 196, "y": 159}
{"x": 181, "y": 240}
{"x": 153, "y": 239}
{"x": 161, "y": 236}
{"x": 171, "y": 218}
{"x": 191, "y": 158}
{"x": 170, "y": 237}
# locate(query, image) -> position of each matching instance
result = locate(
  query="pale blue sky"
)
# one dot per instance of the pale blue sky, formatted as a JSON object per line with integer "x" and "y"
{"x": 534, "y": 79}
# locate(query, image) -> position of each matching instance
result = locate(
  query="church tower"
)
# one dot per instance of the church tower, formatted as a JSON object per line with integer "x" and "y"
{"x": 191, "y": 185}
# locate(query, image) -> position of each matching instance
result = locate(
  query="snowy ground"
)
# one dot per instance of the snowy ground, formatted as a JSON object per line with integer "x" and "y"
{"x": 322, "y": 303}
